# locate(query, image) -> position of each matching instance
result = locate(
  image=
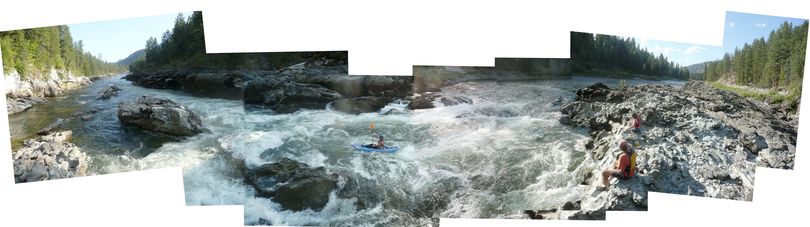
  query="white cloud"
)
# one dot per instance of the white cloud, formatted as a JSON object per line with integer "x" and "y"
{"x": 669, "y": 50}
{"x": 658, "y": 49}
{"x": 761, "y": 25}
{"x": 694, "y": 49}
{"x": 731, "y": 24}
{"x": 643, "y": 42}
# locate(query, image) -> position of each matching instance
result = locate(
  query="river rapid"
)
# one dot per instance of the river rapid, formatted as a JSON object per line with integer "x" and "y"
{"x": 504, "y": 153}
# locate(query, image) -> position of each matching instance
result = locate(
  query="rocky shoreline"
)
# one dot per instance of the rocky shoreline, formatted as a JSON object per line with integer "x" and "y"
{"x": 696, "y": 140}
{"x": 49, "y": 157}
{"x": 22, "y": 94}
{"x": 308, "y": 85}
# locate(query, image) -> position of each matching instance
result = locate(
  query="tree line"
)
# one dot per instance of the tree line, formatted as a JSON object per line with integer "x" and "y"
{"x": 34, "y": 52}
{"x": 183, "y": 47}
{"x": 777, "y": 62}
{"x": 605, "y": 53}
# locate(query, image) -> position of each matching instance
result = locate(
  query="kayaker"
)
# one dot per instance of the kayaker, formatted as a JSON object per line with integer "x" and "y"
{"x": 380, "y": 144}
{"x": 623, "y": 168}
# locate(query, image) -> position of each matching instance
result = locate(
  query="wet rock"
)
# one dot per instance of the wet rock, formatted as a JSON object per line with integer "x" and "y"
{"x": 533, "y": 214}
{"x": 56, "y": 125}
{"x": 308, "y": 85}
{"x": 423, "y": 101}
{"x": 430, "y": 100}
{"x": 571, "y": 206}
{"x": 294, "y": 185}
{"x": 287, "y": 97}
{"x": 109, "y": 92}
{"x": 588, "y": 215}
{"x": 337, "y": 79}
{"x": 159, "y": 115}
{"x": 597, "y": 92}
{"x": 87, "y": 115}
{"x": 455, "y": 100}
{"x": 171, "y": 79}
{"x": 49, "y": 157}
{"x": 365, "y": 104}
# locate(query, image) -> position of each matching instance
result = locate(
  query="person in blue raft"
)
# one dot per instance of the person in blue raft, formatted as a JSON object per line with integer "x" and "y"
{"x": 380, "y": 144}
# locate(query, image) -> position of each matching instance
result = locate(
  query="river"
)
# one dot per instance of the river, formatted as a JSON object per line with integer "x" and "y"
{"x": 504, "y": 153}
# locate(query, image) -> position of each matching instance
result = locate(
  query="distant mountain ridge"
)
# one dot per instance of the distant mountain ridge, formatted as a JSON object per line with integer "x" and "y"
{"x": 132, "y": 57}
{"x": 698, "y": 68}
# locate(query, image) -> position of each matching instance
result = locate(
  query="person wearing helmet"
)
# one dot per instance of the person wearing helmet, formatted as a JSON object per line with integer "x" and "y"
{"x": 623, "y": 168}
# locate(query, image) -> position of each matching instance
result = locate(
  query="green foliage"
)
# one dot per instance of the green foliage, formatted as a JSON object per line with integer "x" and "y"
{"x": 777, "y": 62}
{"x": 595, "y": 53}
{"x": 33, "y": 52}
{"x": 771, "y": 96}
{"x": 184, "y": 47}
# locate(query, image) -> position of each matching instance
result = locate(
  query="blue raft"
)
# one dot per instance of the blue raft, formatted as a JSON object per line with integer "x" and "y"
{"x": 361, "y": 148}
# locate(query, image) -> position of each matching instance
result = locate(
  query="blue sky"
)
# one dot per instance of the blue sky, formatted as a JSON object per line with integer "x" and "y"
{"x": 117, "y": 39}
{"x": 740, "y": 28}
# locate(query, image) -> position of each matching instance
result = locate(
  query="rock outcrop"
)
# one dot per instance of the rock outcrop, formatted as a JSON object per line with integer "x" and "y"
{"x": 294, "y": 185}
{"x": 227, "y": 84}
{"x": 49, "y": 157}
{"x": 359, "y": 105}
{"x": 429, "y": 100}
{"x": 696, "y": 140}
{"x": 22, "y": 93}
{"x": 306, "y": 85}
{"x": 287, "y": 97}
{"x": 159, "y": 115}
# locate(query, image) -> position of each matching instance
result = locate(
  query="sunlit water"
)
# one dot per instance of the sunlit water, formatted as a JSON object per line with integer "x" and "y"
{"x": 506, "y": 152}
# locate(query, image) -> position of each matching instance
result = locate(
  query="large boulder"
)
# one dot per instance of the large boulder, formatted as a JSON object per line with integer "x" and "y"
{"x": 159, "y": 115}
{"x": 365, "y": 104}
{"x": 423, "y": 100}
{"x": 109, "y": 92}
{"x": 294, "y": 185}
{"x": 593, "y": 92}
{"x": 49, "y": 157}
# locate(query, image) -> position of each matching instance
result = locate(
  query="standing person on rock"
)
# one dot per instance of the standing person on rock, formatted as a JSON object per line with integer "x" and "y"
{"x": 624, "y": 168}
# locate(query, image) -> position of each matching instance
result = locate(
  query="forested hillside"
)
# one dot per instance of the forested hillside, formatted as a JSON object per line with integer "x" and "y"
{"x": 35, "y": 51}
{"x": 131, "y": 58}
{"x": 612, "y": 54}
{"x": 777, "y": 62}
{"x": 184, "y": 48}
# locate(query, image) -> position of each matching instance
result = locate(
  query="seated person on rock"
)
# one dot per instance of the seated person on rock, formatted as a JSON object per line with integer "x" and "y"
{"x": 623, "y": 168}
{"x": 635, "y": 123}
{"x": 635, "y": 127}
{"x": 380, "y": 144}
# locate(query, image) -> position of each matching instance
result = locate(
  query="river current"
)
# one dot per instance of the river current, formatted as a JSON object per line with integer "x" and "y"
{"x": 504, "y": 153}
